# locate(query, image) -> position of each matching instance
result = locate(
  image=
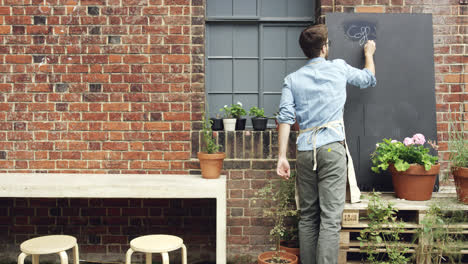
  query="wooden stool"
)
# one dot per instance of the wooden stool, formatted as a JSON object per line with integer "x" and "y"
{"x": 156, "y": 244}
{"x": 55, "y": 244}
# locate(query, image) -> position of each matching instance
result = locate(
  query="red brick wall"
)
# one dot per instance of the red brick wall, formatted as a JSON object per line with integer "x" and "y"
{"x": 97, "y": 86}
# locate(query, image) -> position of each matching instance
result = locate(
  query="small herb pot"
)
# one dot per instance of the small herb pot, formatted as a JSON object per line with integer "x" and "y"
{"x": 217, "y": 124}
{"x": 259, "y": 123}
{"x": 240, "y": 123}
{"x": 229, "y": 124}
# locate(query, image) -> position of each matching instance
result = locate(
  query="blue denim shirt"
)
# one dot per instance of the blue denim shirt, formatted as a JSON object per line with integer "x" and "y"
{"x": 316, "y": 94}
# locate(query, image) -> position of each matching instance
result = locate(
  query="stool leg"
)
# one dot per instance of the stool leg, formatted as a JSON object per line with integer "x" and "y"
{"x": 149, "y": 258}
{"x": 35, "y": 259}
{"x": 21, "y": 258}
{"x": 165, "y": 258}
{"x": 76, "y": 255}
{"x": 128, "y": 256}
{"x": 184, "y": 254}
{"x": 63, "y": 257}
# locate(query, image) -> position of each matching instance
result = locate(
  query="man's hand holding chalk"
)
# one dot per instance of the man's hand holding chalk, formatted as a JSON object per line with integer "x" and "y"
{"x": 369, "y": 50}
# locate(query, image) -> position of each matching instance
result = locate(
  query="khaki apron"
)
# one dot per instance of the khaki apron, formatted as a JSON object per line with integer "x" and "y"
{"x": 354, "y": 192}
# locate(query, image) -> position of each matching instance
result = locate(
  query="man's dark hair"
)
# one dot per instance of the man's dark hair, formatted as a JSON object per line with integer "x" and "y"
{"x": 312, "y": 40}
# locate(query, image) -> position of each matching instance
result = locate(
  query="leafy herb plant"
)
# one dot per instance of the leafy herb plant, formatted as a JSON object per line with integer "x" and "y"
{"x": 233, "y": 111}
{"x": 257, "y": 112}
{"x": 383, "y": 233}
{"x": 210, "y": 146}
{"x": 440, "y": 236}
{"x": 458, "y": 144}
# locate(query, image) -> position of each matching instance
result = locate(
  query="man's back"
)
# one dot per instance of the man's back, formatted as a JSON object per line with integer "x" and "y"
{"x": 316, "y": 93}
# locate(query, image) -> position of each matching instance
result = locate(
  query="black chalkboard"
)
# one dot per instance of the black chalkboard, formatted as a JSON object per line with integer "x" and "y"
{"x": 403, "y": 102}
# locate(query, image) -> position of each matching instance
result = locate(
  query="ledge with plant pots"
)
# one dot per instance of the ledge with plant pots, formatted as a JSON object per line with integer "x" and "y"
{"x": 234, "y": 120}
{"x": 233, "y": 117}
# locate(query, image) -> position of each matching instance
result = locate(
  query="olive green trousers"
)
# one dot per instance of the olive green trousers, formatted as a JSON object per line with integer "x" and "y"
{"x": 321, "y": 199}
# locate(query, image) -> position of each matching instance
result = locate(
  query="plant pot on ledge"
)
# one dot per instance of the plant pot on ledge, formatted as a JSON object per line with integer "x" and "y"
{"x": 229, "y": 124}
{"x": 414, "y": 184}
{"x": 259, "y": 123}
{"x": 211, "y": 164}
{"x": 217, "y": 124}
{"x": 460, "y": 176}
{"x": 240, "y": 123}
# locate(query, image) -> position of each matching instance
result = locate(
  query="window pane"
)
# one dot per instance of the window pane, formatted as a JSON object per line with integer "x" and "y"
{"x": 273, "y": 75}
{"x": 293, "y": 33}
{"x": 274, "y": 41}
{"x": 219, "y": 7}
{"x": 271, "y": 103}
{"x": 218, "y": 101}
{"x": 246, "y": 41}
{"x": 245, "y": 8}
{"x": 219, "y": 76}
{"x": 301, "y": 8}
{"x": 247, "y": 100}
{"x": 220, "y": 40}
{"x": 246, "y": 75}
{"x": 273, "y": 8}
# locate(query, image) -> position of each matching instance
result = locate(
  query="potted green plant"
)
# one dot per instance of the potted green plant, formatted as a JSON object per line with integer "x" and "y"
{"x": 280, "y": 205}
{"x": 413, "y": 169}
{"x": 259, "y": 120}
{"x": 458, "y": 148}
{"x": 211, "y": 160}
{"x": 233, "y": 117}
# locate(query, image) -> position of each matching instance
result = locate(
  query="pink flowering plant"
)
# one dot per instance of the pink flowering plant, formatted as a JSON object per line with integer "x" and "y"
{"x": 403, "y": 154}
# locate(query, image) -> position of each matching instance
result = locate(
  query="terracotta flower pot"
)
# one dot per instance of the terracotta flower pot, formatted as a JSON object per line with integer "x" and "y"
{"x": 211, "y": 164}
{"x": 460, "y": 175}
{"x": 414, "y": 184}
{"x": 266, "y": 256}
{"x": 291, "y": 247}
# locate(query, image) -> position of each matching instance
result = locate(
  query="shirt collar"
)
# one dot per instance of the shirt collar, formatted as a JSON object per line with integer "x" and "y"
{"x": 315, "y": 60}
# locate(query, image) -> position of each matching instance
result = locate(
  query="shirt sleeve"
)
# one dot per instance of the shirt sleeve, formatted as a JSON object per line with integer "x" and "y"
{"x": 361, "y": 78}
{"x": 286, "y": 108}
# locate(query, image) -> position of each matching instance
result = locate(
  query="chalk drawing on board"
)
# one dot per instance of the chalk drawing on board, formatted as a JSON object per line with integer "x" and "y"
{"x": 361, "y": 31}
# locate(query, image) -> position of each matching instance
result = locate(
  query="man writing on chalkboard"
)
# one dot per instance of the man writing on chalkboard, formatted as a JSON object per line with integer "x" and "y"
{"x": 315, "y": 96}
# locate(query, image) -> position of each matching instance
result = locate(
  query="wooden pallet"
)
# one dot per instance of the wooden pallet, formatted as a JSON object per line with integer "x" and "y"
{"x": 411, "y": 213}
